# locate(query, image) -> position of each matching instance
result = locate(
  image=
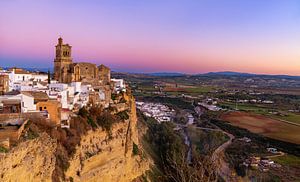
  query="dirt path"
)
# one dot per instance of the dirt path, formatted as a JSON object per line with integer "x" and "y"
{"x": 277, "y": 155}
{"x": 223, "y": 167}
{"x": 218, "y": 157}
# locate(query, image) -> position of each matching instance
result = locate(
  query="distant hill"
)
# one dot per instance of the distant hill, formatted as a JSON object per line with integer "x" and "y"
{"x": 231, "y": 73}
{"x": 166, "y": 74}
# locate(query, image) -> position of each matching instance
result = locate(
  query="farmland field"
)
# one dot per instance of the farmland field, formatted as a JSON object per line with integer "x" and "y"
{"x": 245, "y": 107}
{"x": 264, "y": 125}
{"x": 189, "y": 89}
{"x": 295, "y": 118}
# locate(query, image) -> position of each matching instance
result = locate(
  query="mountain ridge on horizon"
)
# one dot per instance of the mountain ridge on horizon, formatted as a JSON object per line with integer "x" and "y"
{"x": 221, "y": 73}
{"x": 170, "y": 74}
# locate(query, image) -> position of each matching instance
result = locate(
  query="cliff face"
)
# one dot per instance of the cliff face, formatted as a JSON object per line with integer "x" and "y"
{"x": 98, "y": 157}
{"x": 33, "y": 160}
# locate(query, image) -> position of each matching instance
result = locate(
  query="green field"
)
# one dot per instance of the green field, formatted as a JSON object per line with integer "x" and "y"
{"x": 289, "y": 160}
{"x": 264, "y": 125}
{"x": 245, "y": 107}
{"x": 292, "y": 117}
{"x": 202, "y": 89}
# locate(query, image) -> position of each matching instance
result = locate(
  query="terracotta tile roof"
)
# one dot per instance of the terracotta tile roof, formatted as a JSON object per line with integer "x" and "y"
{"x": 36, "y": 95}
{"x": 11, "y": 101}
{"x": 19, "y": 71}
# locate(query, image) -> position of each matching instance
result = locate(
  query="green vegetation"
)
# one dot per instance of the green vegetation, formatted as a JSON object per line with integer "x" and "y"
{"x": 135, "y": 149}
{"x": 123, "y": 115}
{"x": 89, "y": 155}
{"x": 3, "y": 149}
{"x": 200, "y": 89}
{"x": 97, "y": 117}
{"x": 240, "y": 132}
{"x": 206, "y": 141}
{"x": 284, "y": 94}
{"x": 31, "y": 134}
{"x": 113, "y": 96}
{"x": 83, "y": 112}
{"x": 244, "y": 107}
{"x": 147, "y": 88}
{"x": 71, "y": 179}
{"x": 260, "y": 109}
{"x": 264, "y": 125}
{"x": 91, "y": 122}
{"x": 169, "y": 151}
{"x": 289, "y": 160}
{"x": 62, "y": 162}
{"x": 106, "y": 120}
{"x": 291, "y": 117}
{"x": 238, "y": 152}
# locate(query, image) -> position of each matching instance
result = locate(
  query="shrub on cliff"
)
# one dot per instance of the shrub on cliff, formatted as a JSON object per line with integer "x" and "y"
{"x": 106, "y": 120}
{"x": 123, "y": 115}
{"x": 3, "y": 149}
{"x": 135, "y": 149}
{"x": 91, "y": 122}
{"x": 83, "y": 112}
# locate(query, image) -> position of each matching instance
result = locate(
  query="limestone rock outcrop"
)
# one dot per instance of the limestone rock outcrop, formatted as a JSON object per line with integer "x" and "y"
{"x": 109, "y": 158}
{"x": 33, "y": 160}
{"x": 99, "y": 156}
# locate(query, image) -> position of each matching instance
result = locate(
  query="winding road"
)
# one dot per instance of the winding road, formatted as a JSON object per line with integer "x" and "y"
{"x": 223, "y": 168}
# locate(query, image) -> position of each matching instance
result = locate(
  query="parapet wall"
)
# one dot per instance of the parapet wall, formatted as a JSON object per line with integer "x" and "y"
{"x": 10, "y": 117}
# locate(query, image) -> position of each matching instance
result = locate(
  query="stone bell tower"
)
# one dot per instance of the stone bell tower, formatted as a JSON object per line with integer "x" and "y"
{"x": 62, "y": 62}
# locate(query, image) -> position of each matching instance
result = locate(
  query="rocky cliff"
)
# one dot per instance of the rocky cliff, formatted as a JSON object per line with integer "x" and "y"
{"x": 32, "y": 160}
{"x": 98, "y": 157}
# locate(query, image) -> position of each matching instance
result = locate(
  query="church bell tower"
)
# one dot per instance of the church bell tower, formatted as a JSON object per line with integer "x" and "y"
{"x": 62, "y": 61}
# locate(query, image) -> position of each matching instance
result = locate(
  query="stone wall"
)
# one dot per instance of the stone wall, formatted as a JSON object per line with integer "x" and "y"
{"x": 7, "y": 118}
{"x": 4, "y": 84}
{"x": 104, "y": 74}
{"x": 12, "y": 133}
{"x": 85, "y": 71}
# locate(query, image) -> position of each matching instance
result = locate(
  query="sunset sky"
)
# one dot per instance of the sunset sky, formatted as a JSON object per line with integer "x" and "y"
{"x": 190, "y": 36}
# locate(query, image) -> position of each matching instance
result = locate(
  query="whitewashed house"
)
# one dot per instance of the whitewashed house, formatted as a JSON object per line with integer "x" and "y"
{"x": 77, "y": 86}
{"x": 59, "y": 92}
{"x": 19, "y": 77}
{"x": 39, "y": 77}
{"x": 119, "y": 85}
{"x": 27, "y": 102}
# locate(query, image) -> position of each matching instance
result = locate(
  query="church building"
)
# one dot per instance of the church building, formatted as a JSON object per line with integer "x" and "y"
{"x": 65, "y": 71}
